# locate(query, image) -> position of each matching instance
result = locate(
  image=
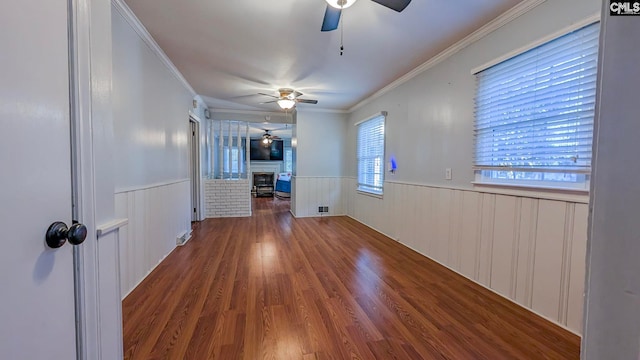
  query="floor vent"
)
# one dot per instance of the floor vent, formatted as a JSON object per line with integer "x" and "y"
{"x": 183, "y": 238}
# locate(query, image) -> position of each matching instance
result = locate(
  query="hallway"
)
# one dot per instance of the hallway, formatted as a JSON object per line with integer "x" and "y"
{"x": 275, "y": 287}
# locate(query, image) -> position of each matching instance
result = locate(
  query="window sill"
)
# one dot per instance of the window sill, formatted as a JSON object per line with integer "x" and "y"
{"x": 365, "y": 193}
{"x": 540, "y": 192}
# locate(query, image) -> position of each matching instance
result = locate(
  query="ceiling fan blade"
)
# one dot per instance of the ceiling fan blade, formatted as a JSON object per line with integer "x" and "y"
{"x": 331, "y": 19}
{"x": 307, "y": 101}
{"x": 269, "y": 102}
{"x": 297, "y": 94}
{"x": 397, "y": 5}
{"x": 275, "y": 97}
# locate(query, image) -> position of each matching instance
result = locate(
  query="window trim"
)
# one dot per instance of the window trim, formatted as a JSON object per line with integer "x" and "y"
{"x": 359, "y": 190}
{"x": 580, "y": 187}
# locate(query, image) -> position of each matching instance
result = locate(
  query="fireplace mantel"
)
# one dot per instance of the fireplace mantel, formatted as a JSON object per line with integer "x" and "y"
{"x": 263, "y": 183}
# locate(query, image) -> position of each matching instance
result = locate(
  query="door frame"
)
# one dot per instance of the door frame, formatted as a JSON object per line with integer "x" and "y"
{"x": 93, "y": 184}
{"x": 195, "y": 166}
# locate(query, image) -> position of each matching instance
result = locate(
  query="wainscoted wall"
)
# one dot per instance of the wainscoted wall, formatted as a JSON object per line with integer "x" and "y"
{"x": 307, "y": 193}
{"x": 529, "y": 250}
{"x": 109, "y": 241}
{"x": 227, "y": 198}
{"x": 158, "y": 215}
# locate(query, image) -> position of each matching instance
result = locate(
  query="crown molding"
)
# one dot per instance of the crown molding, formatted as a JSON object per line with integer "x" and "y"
{"x": 505, "y": 18}
{"x": 126, "y": 12}
{"x": 248, "y": 112}
{"x": 322, "y": 110}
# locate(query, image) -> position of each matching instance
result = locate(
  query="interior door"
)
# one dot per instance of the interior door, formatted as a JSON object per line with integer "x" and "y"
{"x": 37, "y": 310}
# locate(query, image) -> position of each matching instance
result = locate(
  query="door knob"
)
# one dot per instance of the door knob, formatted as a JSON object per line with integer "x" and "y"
{"x": 58, "y": 234}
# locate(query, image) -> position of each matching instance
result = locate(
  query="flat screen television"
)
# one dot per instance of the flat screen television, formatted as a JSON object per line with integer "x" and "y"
{"x": 272, "y": 152}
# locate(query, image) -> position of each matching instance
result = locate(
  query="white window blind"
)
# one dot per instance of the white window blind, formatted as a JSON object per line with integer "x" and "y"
{"x": 370, "y": 153}
{"x": 534, "y": 112}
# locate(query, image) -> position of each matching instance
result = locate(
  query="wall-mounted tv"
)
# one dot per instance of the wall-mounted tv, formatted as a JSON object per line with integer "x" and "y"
{"x": 269, "y": 152}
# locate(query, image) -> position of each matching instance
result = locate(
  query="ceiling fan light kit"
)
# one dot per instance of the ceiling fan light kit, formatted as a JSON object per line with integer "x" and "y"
{"x": 288, "y": 98}
{"x": 286, "y": 104}
{"x": 340, "y": 4}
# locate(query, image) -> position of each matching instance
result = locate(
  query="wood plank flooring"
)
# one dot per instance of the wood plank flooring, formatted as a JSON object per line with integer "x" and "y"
{"x": 275, "y": 287}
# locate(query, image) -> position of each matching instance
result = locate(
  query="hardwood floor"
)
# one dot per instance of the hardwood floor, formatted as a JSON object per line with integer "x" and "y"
{"x": 275, "y": 287}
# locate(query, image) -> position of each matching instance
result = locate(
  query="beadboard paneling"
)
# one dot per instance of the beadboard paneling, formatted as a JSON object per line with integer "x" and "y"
{"x": 469, "y": 244}
{"x": 548, "y": 258}
{"x": 578, "y": 251}
{"x": 505, "y": 240}
{"x": 525, "y": 255}
{"x": 110, "y": 293}
{"x": 529, "y": 250}
{"x": 310, "y": 192}
{"x": 157, "y": 217}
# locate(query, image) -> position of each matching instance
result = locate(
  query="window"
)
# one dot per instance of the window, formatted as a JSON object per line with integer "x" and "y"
{"x": 534, "y": 114}
{"x": 231, "y": 155}
{"x": 227, "y": 149}
{"x": 288, "y": 159}
{"x": 370, "y": 154}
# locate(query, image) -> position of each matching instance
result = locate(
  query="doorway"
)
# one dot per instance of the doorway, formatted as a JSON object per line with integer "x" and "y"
{"x": 194, "y": 168}
{"x": 271, "y": 157}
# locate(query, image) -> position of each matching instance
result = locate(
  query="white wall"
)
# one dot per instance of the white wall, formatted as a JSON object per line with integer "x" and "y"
{"x": 612, "y": 328}
{"x": 151, "y": 113}
{"x": 320, "y": 143}
{"x": 151, "y": 131}
{"x": 526, "y": 246}
{"x": 320, "y": 163}
{"x": 430, "y": 117}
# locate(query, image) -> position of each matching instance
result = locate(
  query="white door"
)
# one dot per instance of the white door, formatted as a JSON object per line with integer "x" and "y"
{"x": 37, "y": 310}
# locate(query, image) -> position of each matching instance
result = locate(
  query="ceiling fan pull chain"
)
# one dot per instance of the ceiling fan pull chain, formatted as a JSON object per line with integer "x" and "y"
{"x": 341, "y": 30}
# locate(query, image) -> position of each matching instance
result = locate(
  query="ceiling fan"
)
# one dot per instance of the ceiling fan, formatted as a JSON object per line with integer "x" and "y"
{"x": 288, "y": 98}
{"x": 267, "y": 137}
{"x": 335, "y": 7}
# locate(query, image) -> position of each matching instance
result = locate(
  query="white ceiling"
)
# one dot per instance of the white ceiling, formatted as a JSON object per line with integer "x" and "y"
{"x": 257, "y": 129}
{"x": 283, "y": 131}
{"x": 231, "y": 50}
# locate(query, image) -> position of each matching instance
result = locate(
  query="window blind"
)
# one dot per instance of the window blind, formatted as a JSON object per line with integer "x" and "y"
{"x": 370, "y": 154}
{"x": 534, "y": 112}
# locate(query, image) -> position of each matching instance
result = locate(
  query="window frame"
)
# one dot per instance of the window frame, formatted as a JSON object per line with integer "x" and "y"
{"x": 239, "y": 164}
{"x": 362, "y": 188}
{"x": 582, "y": 178}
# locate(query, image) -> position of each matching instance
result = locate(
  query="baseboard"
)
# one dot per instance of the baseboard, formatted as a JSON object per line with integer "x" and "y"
{"x": 147, "y": 274}
{"x": 378, "y": 231}
{"x": 318, "y": 216}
